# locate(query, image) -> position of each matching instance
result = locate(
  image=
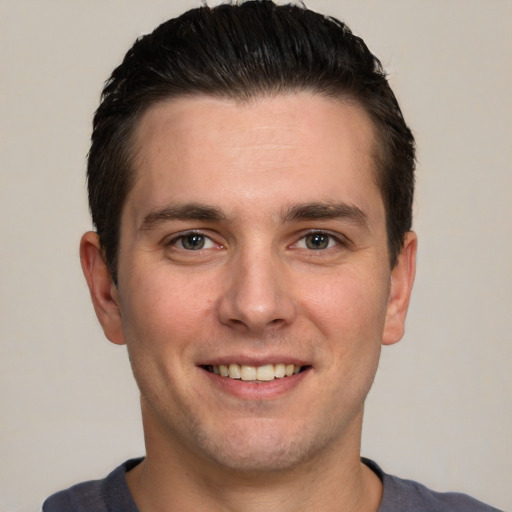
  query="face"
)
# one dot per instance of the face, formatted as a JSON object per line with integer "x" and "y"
{"x": 254, "y": 283}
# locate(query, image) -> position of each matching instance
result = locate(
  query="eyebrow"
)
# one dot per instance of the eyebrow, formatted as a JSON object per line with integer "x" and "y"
{"x": 188, "y": 211}
{"x": 298, "y": 212}
{"x": 326, "y": 211}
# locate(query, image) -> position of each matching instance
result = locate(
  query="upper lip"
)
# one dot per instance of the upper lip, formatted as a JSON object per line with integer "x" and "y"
{"x": 250, "y": 360}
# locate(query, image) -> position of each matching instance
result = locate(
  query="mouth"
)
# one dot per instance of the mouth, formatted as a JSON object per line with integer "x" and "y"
{"x": 265, "y": 373}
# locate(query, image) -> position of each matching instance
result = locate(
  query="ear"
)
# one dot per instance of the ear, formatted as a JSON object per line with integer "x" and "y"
{"x": 402, "y": 279}
{"x": 101, "y": 287}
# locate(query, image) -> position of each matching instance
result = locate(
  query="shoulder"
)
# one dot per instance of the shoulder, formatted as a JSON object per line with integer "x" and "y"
{"x": 110, "y": 494}
{"x": 409, "y": 496}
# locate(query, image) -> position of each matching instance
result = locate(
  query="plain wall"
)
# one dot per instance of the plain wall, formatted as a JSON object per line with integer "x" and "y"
{"x": 440, "y": 411}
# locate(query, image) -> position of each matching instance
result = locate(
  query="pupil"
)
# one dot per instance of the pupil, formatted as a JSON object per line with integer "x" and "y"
{"x": 317, "y": 241}
{"x": 193, "y": 242}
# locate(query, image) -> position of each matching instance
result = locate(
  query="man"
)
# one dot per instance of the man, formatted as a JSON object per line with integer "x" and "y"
{"x": 251, "y": 183}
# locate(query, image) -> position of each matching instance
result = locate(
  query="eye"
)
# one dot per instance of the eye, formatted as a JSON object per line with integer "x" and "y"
{"x": 317, "y": 241}
{"x": 193, "y": 242}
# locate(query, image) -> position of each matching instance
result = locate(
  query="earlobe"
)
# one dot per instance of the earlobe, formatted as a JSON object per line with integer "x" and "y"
{"x": 101, "y": 287}
{"x": 402, "y": 279}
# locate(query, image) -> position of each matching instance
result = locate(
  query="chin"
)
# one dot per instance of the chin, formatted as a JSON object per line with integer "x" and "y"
{"x": 260, "y": 449}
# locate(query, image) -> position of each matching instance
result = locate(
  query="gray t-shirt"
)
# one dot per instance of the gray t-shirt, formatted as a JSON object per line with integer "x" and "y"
{"x": 112, "y": 495}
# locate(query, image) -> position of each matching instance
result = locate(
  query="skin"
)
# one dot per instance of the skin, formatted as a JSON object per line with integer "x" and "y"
{"x": 266, "y": 176}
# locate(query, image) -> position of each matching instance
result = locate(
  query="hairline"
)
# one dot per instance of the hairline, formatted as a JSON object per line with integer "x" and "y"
{"x": 130, "y": 152}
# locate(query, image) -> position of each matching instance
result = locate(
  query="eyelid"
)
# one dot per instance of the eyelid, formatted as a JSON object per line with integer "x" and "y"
{"x": 171, "y": 240}
{"x": 340, "y": 239}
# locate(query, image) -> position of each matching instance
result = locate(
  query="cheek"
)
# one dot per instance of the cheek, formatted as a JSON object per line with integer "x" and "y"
{"x": 162, "y": 320}
{"x": 164, "y": 311}
{"x": 349, "y": 307}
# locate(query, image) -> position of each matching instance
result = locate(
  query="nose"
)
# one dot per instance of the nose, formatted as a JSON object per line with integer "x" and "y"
{"x": 257, "y": 295}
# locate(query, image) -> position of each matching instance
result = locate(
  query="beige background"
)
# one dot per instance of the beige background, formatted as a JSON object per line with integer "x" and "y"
{"x": 441, "y": 409}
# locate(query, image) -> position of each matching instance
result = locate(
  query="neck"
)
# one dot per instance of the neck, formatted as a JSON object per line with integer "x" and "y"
{"x": 173, "y": 478}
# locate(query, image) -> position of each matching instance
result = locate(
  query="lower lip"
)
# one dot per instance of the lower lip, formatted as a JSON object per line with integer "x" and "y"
{"x": 264, "y": 390}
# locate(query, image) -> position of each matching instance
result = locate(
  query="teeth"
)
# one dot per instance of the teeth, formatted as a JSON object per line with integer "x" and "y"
{"x": 234, "y": 371}
{"x": 266, "y": 372}
{"x": 248, "y": 372}
{"x": 280, "y": 370}
{"x": 255, "y": 373}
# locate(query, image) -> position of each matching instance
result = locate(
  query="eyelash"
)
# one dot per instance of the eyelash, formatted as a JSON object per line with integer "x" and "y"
{"x": 332, "y": 240}
{"x": 338, "y": 241}
{"x": 188, "y": 234}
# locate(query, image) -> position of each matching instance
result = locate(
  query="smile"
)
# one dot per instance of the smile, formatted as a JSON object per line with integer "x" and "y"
{"x": 263, "y": 373}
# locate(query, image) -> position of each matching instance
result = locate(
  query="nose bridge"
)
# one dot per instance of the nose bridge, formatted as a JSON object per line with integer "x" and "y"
{"x": 257, "y": 294}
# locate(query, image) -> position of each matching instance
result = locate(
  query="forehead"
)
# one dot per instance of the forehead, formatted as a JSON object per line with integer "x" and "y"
{"x": 301, "y": 146}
